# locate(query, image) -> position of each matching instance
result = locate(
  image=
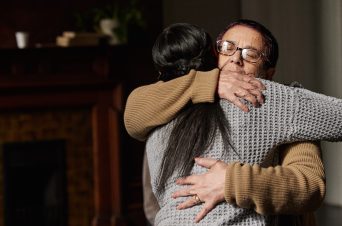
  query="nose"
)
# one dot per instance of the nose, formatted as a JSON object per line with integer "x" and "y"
{"x": 237, "y": 57}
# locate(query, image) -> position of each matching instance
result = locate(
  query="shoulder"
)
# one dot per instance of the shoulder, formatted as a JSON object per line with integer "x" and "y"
{"x": 160, "y": 135}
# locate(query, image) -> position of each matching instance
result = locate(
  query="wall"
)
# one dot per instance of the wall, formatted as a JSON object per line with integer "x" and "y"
{"x": 330, "y": 69}
{"x": 43, "y": 19}
{"x": 47, "y": 19}
{"x": 212, "y": 17}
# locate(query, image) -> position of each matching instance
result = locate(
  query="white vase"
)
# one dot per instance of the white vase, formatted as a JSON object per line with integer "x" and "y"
{"x": 107, "y": 27}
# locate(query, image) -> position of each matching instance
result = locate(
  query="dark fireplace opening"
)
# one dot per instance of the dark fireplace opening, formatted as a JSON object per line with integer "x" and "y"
{"x": 35, "y": 183}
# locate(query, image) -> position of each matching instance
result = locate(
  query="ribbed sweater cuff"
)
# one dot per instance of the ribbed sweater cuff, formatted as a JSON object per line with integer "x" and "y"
{"x": 229, "y": 182}
{"x": 204, "y": 87}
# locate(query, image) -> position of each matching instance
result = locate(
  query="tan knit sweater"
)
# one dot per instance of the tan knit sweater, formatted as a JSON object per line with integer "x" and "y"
{"x": 294, "y": 187}
{"x": 153, "y": 105}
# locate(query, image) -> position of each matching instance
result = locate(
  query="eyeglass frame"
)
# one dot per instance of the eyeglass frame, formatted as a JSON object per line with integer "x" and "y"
{"x": 261, "y": 54}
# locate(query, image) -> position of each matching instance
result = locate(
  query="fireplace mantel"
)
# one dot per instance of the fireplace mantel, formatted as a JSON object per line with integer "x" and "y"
{"x": 98, "y": 78}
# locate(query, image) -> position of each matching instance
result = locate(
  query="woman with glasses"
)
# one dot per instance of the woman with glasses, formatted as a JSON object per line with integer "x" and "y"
{"x": 219, "y": 130}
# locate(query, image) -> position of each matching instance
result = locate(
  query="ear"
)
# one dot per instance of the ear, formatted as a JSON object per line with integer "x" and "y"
{"x": 269, "y": 73}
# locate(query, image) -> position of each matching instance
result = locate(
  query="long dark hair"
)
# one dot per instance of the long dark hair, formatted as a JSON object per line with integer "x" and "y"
{"x": 178, "y": 49}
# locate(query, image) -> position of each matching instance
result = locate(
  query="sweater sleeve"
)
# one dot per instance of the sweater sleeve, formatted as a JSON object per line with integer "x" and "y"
{"x": 294, "y": 187}
{"x": 153, "y": 105}
{"x": 317, "y": 116}
{"x": 298, "y": 114}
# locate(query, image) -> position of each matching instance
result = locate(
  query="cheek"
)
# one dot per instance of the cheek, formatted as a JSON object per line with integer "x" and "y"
{"x": 251, "y": 68}
{"x": 255, "y": 70}
{"x": 221, "y": 60}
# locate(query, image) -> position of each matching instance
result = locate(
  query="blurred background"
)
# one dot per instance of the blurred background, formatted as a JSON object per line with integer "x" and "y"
{"x": 66, "y": 71}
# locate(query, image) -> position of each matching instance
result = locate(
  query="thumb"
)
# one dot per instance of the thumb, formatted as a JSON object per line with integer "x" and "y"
{"x": 205, "y": 162}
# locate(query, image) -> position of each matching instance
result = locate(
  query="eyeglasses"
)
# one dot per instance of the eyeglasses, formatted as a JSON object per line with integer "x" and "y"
{"x": 229, "y": 48}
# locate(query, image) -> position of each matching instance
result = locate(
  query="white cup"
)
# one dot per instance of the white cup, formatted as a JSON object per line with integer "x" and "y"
{"x": 22, "y": 39}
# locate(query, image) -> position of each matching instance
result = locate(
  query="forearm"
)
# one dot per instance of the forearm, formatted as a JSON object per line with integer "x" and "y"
{"x": 150, "y": 106}
{"x": 297, "y": 186}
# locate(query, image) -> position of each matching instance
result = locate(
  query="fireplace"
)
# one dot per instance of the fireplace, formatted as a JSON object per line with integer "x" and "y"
{"x": 68, "y": 94}
{"x": 73, "y": 96}
{"x": 35, "y": 183}
{"x": 47, "y": 153}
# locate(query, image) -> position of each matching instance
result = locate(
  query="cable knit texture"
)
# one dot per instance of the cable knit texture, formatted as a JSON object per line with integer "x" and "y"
{"x": 289, "y": 114}
{"x": 167, "y": 99}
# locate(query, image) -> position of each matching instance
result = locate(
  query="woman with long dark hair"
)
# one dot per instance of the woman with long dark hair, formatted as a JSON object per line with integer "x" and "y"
{"x": 180, "y": 48}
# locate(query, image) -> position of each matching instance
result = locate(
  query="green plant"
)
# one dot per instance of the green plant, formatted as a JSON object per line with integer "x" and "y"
{"x": 111, "y": 11}
{"x": 132, "y": 19}
{"x": 128, "y": 15}
{"x": 84, "y": 21}
{"x": 133, "y": 14}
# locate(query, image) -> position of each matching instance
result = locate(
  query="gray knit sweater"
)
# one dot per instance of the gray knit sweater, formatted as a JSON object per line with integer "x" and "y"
{"x": 289, "y": 114}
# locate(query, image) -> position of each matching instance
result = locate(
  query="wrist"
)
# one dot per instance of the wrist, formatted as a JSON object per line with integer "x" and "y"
{"x": 205, "y": 86}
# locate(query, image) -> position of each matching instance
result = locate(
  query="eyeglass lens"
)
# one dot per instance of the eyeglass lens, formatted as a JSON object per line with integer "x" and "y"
{"x": 229, "y": 48}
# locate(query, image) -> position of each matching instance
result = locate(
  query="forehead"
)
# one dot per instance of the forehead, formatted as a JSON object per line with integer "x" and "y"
{"x": 244, "y": 36}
